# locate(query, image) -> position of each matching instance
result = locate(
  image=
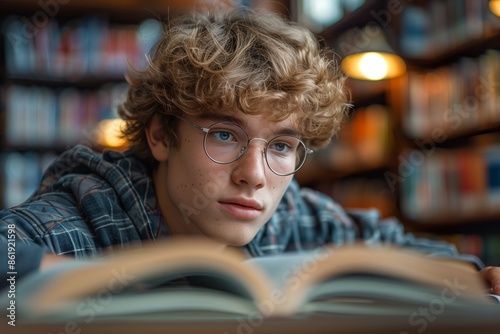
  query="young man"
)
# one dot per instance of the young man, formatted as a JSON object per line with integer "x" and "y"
{"x": 225, "y": 113}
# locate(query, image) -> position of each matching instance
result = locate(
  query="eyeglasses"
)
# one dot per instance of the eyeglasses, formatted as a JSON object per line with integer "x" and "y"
{"x": 226, "y": 142}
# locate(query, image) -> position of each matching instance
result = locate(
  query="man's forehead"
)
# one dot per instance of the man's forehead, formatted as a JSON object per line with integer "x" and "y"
{"x": 248, "y": 122}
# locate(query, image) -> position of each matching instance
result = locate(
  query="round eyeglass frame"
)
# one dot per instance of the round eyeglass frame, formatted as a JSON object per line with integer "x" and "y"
{"x": 205, "y": 131}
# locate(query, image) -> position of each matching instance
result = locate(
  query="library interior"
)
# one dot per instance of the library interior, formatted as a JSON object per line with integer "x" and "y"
{"x": 421, "y": 142}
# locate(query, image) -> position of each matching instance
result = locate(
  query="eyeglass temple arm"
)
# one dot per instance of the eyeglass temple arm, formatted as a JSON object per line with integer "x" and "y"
{"x": 193, "y": 125}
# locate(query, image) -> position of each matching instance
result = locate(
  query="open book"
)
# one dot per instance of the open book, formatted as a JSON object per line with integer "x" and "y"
{"x": 198, "y": 279}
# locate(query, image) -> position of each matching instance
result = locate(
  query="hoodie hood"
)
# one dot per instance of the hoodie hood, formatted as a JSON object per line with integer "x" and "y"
{"x": 112, "y": 188}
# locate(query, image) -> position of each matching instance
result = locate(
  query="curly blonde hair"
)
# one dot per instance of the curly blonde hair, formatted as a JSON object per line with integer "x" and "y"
{"x": 238, "y": 60}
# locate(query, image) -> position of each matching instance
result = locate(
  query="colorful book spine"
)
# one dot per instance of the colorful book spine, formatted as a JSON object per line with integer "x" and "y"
{"x": 444, "y": 24}
{"x": 81, "y": 48}
{"x": 484, "y": 246}
{"x": 452, "y": 185}
{"x": 42, "y": 117}
{"x": 454, "y": 99}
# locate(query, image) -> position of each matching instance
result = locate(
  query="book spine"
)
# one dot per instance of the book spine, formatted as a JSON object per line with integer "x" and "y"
{"x": 456, "y": 98}
{"x": 39, "y": 117}
{"x": 21, "y": 174}
{"x": 484, "y": 246}
{"x": 85, "y": 47}
{"x": 445, "y": 24}
{"x": 455, "y": 184}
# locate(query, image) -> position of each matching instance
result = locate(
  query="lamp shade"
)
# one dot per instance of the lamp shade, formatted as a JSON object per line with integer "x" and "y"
{"x": 368, "y": 56}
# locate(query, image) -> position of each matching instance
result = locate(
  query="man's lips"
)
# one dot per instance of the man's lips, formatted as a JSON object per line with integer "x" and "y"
{"x": 242, "y": 207}
{"x": 249, "y": 203}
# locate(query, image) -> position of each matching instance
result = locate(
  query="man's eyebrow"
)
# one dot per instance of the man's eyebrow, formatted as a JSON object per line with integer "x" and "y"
{"x": 230, "y": 118}
{"x": 222, "y": 118}
{"x": 288, "y": 131}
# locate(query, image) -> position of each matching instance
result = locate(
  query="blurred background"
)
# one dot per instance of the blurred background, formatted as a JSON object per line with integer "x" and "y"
{"x": 422, "y": 142}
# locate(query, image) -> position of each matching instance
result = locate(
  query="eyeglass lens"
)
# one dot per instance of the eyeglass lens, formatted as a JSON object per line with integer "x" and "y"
{"x": 225, "y": 142}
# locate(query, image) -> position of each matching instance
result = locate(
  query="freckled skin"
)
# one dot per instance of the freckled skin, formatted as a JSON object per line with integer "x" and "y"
{"x": 198, "y": 208}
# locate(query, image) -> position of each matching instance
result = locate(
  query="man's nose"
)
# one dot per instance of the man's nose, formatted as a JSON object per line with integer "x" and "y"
{"x": 251, "y": 168}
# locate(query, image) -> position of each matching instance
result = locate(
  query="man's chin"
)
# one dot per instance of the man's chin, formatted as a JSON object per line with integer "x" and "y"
{"x": 239, "y": 241}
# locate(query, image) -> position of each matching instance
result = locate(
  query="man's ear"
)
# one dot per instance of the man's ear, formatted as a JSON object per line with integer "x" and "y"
{"x": 156, "y": 139}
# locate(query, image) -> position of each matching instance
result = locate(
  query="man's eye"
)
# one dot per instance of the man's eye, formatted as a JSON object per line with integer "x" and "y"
{"x": 280, "y": 147}
{"x": 224, "y": 136}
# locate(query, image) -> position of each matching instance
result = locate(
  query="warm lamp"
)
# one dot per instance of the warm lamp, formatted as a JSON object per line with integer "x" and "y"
{"x": 374, "y": 59}
{"x": 495, "y": 7}
{"x": 108, "y": 133}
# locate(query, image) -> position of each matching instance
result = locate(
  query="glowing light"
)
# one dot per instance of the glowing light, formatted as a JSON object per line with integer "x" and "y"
{"x": 495, "y": 7}
{"x": 373, "y": 66}
{"x": 108, "y": 133}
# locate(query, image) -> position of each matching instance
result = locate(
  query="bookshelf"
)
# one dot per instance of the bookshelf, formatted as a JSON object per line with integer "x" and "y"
{"x": 441, "y": 168}
{"x": 423, "y": 147}
{"x": 62, "y": 67}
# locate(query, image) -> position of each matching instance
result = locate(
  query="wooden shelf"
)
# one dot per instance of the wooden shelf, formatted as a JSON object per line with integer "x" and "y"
{"x": 471, "y": 48}
{"x": 87, "y": 81}
{"x": 492, "y": 127}
{"x": 447, "y": 220}
{"x": 118, "y": 10}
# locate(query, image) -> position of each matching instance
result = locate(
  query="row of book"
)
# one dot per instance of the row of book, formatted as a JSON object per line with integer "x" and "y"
{"x": 84, "y": 47}
{"x": 44, "y": 117}
{"x": 486, "y": 247}
{"x": 21, "y": 174}
{"x": 459, "y": 97}
{"x": 442, "y": 24}
{"x": 452, "y": 183}
{"x": 366, "y": 139}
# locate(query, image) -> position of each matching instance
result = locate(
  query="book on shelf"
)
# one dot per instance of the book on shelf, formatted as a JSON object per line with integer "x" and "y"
{"x": 492, "y": 157}
{"x": 43, "y": 117}
{"x": 21, "y": 173}
{"x": 452, "y": 183}
{"x": 457, "y": 98}
{"x": 363, "y": 143}
{"x": 443, "y": 25}
{"x": 483, "y": 245}
{"x": 197, "y": 279}
{"x": 88, "y": 46}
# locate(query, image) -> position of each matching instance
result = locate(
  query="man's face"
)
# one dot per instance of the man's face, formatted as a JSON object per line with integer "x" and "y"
{"x": 226, "y": 202}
